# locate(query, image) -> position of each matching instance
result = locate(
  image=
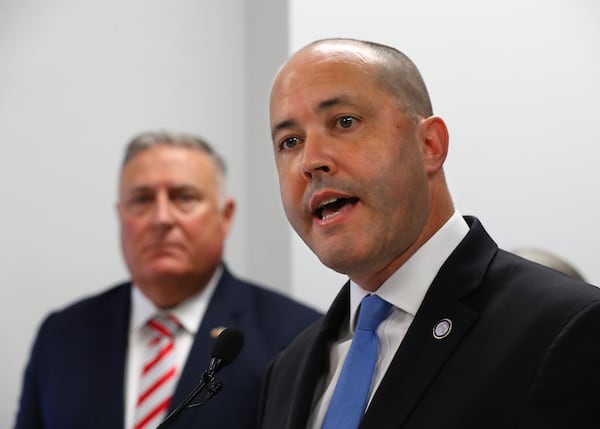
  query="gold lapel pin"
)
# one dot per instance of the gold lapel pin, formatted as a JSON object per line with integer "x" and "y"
{"x": 215, "y": 332}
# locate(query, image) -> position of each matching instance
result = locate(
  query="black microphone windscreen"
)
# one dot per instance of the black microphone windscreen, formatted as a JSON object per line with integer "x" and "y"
{"x": 227, "y": 345}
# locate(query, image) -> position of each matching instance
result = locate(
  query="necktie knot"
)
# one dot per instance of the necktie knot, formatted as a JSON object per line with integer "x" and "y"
{"x": 164, "y": 325}
{"x": 372, "y": 311}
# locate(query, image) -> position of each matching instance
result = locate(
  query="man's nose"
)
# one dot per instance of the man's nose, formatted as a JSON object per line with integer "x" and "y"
{"x": 316, "y": 156}
{"x": 163, "y": 210}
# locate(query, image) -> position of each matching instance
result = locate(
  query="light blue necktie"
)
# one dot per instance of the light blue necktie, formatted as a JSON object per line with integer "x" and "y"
{"x": 351, "y": 393}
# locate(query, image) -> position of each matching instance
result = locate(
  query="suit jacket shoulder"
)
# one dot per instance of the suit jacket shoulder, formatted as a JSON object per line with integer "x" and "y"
{"x": 523, "y": 351}
{"x": 75, "y": 375}
{"x": 79, "y": 352}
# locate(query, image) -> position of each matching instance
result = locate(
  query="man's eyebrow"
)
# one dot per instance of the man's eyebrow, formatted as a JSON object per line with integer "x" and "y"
{"x": 183, "y": 187}
{"x": 331, "y": 102}
{"x": 321, "y": 106}
{"x": 287, "y": 123}
{"x": 140, "y": 188}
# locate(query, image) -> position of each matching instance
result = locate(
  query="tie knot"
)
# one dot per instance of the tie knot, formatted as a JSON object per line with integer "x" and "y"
{"x": 372, "y": 312}
{"x": 165, "y": 325}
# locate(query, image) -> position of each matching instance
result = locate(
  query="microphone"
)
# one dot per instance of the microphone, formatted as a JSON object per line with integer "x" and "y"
{"x": 226, "y": 348}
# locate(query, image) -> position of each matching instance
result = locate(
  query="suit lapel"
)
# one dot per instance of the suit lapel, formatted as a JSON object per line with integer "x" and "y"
{"x": 316, "y": 363}
{"x": 416, "y": 364}
{"x": 110, "y": 344}
{"x": 421, "y": 356}
{"x": 225, "y": 303}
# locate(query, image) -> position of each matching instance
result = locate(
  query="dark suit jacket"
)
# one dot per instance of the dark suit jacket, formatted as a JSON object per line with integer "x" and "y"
{"x": 523, "y": 352}
{"x": 75, "y": 376}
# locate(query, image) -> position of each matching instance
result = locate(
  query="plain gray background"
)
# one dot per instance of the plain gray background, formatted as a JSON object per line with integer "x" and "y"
{"x": 516, "y": 81}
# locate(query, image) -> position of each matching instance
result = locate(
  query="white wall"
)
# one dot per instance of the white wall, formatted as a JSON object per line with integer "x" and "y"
{"x": 517, "y": 83}
{"x": 77, "y": 80}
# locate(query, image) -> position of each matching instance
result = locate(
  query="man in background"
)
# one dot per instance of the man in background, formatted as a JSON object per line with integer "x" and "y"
{"x": 123, "y": 358}
{"x": 549, "y": 259}
{"x": 437, "y": 327}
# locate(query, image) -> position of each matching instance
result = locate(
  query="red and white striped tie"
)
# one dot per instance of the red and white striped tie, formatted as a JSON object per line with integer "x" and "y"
{"x": 157, "y": 382}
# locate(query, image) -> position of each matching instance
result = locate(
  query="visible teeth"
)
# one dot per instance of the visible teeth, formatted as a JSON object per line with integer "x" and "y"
{"x": 330, "y": 215}
{"x": 328, "y": 201}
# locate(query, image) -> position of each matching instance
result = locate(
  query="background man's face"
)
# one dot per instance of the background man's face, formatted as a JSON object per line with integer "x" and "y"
{"x": 173, "y": 221}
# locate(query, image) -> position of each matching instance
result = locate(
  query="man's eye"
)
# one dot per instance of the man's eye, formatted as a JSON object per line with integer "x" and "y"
{"x": 184, "y": 198}
{"x": 186, "y": 201}
{"x": 289, "y": 143}
{"x": 346, "y": 121}
{"x": 140, "y": 199}
{"x": 138, "y": 204}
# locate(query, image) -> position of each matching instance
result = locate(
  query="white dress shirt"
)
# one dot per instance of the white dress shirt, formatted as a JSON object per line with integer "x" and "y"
{"x": 189, "y": 313}
{"x": 405, "y": 290}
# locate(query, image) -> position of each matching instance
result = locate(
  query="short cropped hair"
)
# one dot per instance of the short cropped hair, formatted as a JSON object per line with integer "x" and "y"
{"x": 397, "y": 73}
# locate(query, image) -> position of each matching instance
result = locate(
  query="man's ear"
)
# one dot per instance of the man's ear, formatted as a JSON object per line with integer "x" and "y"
{"x": 228, "y": 212}
{"x": 433, "y": 135}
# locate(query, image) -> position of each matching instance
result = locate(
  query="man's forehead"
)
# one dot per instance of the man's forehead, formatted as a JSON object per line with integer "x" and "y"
{"x": 316, "y": 64}
{"x": 343, "y": 49}
{"x": 158, "y": 152}
{"x": 340, "y": 78}
{"x": 155, "y": 186}
{"x": 328, "y": 53}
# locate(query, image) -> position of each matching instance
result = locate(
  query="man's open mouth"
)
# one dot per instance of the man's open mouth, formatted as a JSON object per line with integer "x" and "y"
{"x": 332, "y": 206}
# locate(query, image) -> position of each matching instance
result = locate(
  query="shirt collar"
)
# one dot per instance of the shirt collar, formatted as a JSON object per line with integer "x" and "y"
{"x": 189, "y": 312}
{"x": 406, "y": 288}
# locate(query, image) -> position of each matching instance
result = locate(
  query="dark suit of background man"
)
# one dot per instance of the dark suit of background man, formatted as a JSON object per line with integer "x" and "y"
{"x": 476, "y": 337}
{"x": 174, "y": 216}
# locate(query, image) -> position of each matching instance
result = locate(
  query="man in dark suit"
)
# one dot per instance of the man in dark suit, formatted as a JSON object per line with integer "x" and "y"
{"x": 86, "y": 361}
{"x": 475, "y": 337}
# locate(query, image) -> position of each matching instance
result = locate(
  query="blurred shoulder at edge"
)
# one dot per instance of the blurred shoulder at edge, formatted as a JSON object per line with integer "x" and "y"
{"x": 549, "y": 259}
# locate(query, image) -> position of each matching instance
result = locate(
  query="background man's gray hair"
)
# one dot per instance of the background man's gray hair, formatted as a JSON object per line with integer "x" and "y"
{"x": 146, "y": 140}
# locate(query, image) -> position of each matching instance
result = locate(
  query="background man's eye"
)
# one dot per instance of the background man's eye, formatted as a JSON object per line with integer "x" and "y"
{"x": 346, "y": 121}
{"x": 140, "y": 199}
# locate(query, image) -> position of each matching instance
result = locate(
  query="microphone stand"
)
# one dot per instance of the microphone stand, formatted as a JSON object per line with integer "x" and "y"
{"x": 226, "y": 348}
{"x": 208, "y": 379}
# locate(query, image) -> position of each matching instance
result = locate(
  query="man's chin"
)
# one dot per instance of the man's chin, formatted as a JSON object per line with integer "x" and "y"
{"x": 336, "y": 261}
{"x": 167, "y": 270}
{"x": 165, "y": 260}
